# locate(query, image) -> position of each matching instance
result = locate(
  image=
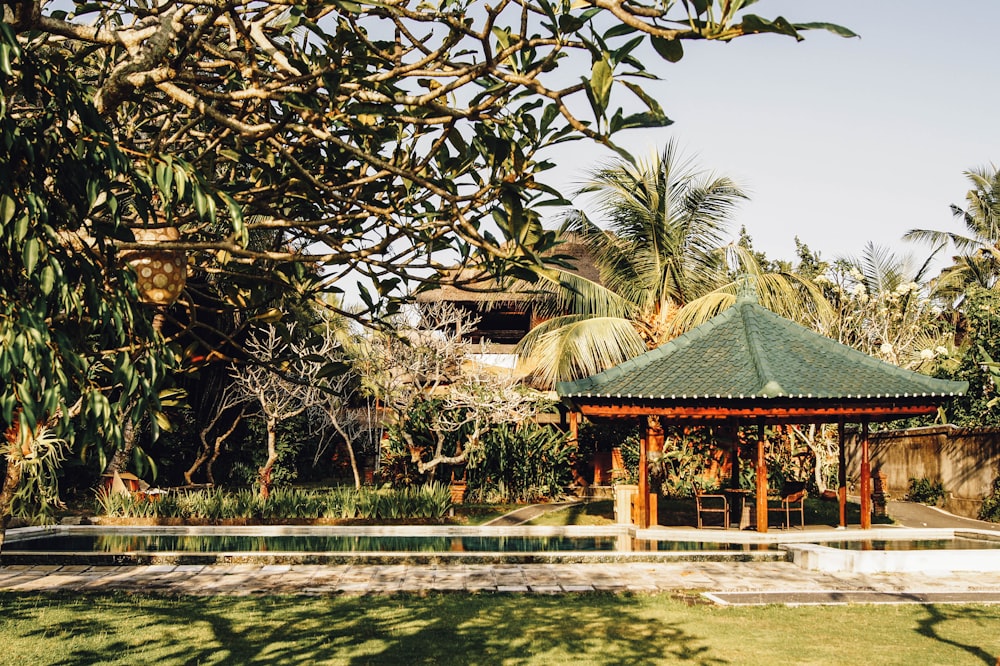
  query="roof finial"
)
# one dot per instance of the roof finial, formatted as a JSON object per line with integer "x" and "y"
{"x": 746, "y": 288}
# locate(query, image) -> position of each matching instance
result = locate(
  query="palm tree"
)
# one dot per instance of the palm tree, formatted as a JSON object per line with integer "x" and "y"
{"x": 978, "y": 263}
{"x": 663, "y": 264}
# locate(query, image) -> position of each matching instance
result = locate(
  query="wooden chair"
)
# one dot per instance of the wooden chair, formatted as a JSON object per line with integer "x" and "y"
{"x": 792, "y": 498}
{"x": 708, "y": 503}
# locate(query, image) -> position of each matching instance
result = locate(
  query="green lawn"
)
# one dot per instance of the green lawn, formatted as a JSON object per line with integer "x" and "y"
{"x": 482, "y": 629}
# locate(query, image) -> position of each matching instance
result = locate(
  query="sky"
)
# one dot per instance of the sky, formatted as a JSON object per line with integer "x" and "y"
{"x": 836, "y": 141}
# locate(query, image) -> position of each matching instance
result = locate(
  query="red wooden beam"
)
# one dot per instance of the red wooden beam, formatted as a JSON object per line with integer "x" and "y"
{"x": 771, "y": 414}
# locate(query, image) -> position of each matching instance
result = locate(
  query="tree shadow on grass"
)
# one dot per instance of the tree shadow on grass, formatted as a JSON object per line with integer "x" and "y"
{"x": 932, "y": 627}
{"x": 438, "y": 629}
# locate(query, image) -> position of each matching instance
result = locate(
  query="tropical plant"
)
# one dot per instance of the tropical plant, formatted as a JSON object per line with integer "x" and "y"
{"x": 430, "y": 501}
{"x": 925, "y": 491}
{"x": 663, "y": 268}
{"x": 371, "y": 138}
{"x": 522, "y": 462}
{"x": 881, "y": 306}
{"x": 990, "y": 510}
{"x": 978, "y": 261}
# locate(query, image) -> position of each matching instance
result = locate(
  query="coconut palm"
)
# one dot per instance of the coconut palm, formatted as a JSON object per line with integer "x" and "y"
{"x": 663, "y": 264}
{"x": 978, "y": 262}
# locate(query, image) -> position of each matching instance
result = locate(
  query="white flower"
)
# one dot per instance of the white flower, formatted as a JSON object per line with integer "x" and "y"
{"x": 859, "y": 290}
{"x": 943, "y": 351}
{"x": 927, "y": 354}
{"x": 886, "y": 349}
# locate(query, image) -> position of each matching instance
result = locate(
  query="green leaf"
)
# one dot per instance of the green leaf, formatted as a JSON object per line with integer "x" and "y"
{"x": 829, "y": 27}
{"x": 7, "y": 209}
{"x": 21, "y": 226}
{"x": 753, "y": 25}
{"x": 47, "y": 280}
{"x": 5, "y": 59}
{"x": 30, "y": 254}
{"x": 601, "y": 78}
{"x": 162, "y": 421}
{"x": 670, "y": 50}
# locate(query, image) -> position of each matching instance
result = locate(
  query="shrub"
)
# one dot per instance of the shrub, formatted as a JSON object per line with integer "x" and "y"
{"x": 430, "y": 501}
{"x": 991, "y": 504}
{"x": 925, "y": 491}
{"x": 520, "y": 463}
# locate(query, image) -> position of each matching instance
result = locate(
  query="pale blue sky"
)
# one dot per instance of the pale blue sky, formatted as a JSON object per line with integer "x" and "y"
{"x": 838, "y": 141}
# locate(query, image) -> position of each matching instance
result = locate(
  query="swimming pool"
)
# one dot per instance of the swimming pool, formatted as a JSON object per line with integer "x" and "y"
{"x": 878, "y": 550}
{"x": 334, "y": 544}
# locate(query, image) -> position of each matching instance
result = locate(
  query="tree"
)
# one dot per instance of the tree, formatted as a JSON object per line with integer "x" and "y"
{"x": 77, "y": 347}
{"x": 368, "y": 137}
{"x": 978, "y": 261}
{"x": 441, "y": 398}
{"x": 663, "y": 267}
{"x": 281, "y": 378}
{"x": 372, "y": 136}
{"x": 881, "y": 306}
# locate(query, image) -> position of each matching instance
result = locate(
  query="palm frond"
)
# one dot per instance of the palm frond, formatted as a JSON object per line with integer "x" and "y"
{"x": 572, "y": 347}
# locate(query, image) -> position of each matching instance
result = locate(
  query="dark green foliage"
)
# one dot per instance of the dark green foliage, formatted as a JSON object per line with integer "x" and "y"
{"x": 990, "y": 510}
{"x": 925, "y": 491}
{"x": 430, "y": 501}
{"x": 78, "y": 354}
{"x": 982, "y": 334}
{"x": 521, "y": 463}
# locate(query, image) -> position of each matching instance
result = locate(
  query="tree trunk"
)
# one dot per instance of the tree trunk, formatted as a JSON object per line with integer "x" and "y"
{"x": 354, "y": 463}
{"x": 202, "y": 457}
{"x": 130, "y": 432}
{"x": 272, "y": 458}
{"x": 12, "y": 479}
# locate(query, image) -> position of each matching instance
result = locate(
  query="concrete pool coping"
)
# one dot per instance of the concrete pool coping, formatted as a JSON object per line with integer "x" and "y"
{"x": 802, "y": 547}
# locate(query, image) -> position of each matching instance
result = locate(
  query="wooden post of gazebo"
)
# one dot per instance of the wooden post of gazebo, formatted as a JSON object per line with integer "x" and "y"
{"x": 842, "y": 474}
{"x": 732, "y": 432}
{"x": 866, "y": 479}
{"x": 761, "y": 480}
{"x": 642, "y": 502}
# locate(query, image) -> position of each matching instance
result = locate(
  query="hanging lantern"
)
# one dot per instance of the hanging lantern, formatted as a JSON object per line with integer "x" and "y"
{"x": 160, "y": 274}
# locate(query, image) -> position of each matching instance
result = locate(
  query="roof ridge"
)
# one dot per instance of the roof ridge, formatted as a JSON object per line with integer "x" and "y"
{"x": 769, "y": 385}
{"x": 811, "y": 337}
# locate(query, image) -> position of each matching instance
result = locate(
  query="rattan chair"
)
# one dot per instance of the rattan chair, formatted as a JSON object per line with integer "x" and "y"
{"x": 711, "y": 504}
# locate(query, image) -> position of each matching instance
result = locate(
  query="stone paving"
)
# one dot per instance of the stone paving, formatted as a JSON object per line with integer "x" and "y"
{"x": 765, "y": 579}
{"x": 719, "y": 581}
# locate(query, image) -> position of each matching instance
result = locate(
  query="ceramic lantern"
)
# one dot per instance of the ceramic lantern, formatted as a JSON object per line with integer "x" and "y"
{"x": 160, "y": 274}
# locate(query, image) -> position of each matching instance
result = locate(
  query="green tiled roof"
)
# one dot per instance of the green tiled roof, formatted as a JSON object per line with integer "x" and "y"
{"x": 748, "y": 352}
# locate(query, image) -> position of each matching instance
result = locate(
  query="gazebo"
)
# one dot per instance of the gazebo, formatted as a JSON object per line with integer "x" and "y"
{"x": 749, "y": 366}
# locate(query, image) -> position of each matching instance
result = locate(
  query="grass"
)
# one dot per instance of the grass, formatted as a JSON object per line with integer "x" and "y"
{"x": 595, "y": 512}
{"x": 482, "y": 629}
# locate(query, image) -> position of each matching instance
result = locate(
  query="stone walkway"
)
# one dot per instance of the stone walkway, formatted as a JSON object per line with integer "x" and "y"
{"x": 738, "y": 580}
{"x": 722, "y": 582}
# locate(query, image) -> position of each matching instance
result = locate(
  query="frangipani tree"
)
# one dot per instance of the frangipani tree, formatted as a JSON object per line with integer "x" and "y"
{"x": 370, "y": 137}
{"x": 882, "y": 306}
{"x": 439, "y": 396}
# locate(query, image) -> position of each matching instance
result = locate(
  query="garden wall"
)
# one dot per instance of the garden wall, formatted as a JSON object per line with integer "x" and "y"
{"x": 964, "y": 460}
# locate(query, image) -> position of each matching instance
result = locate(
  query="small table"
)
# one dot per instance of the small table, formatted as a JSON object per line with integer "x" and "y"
{"x": 738, "y": 508}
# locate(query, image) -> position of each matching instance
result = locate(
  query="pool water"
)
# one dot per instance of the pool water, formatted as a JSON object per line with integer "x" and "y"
{"x": 956, "y": 543}
{"x": 124, "y": 542}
